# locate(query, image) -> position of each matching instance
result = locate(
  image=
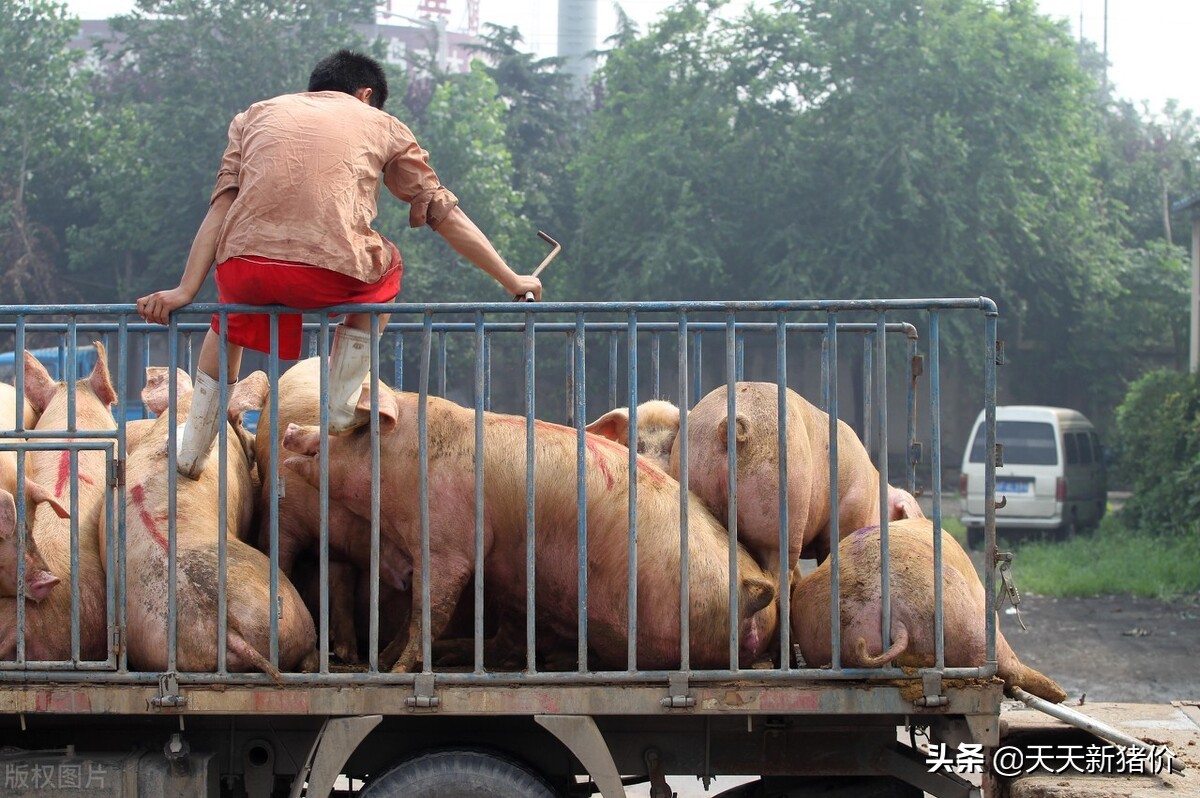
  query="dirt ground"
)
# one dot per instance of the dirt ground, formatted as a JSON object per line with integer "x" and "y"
{"x": 1111, "y": 648}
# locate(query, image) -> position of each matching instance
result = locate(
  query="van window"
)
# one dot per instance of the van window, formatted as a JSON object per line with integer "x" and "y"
{"x": 1085, "y": 448}
{"x": 1071, "y": 444}
{"x": 1025, "y": 443}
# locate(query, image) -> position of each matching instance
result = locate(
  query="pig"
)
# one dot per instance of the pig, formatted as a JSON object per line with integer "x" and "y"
{"x": 910, "y": 549}
{"x": 756, "y": 437}
{"x": 39, "y": 581}
{"x": 248, "y": 570}
{"x": 8, "y": 409}
{"x": 451, "y": 458}
{"x": 300, "y": 520}
{"x": 658, "y": 425}
{"x": 48, "y": 622}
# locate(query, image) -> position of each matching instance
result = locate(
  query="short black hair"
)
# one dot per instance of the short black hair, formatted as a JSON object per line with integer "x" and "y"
{"x": 348, "y": 71}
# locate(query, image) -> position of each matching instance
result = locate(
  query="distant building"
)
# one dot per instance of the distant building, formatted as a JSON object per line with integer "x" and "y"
{"x": 410, "y": 45}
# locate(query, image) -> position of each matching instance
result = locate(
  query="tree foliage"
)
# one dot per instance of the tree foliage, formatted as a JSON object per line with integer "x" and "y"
{"x": 177, "y": 72}
{"x": 44, "y": 103}
{"x": 1158, "y": 451}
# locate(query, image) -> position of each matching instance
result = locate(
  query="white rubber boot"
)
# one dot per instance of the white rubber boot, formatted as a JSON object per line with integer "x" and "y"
{"x": 349, "y": 363}
{"x": 194, "y": 438}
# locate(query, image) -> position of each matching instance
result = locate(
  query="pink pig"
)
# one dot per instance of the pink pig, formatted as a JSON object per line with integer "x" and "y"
{"x": 910, "y": 550}
{"x": 248, "y": 580}
{"x": 451, "y": 457}
{"x": 757, "y": 440}
{"x": 48, "y": 622}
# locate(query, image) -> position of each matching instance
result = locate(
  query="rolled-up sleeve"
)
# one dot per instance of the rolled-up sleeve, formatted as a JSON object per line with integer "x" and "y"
{"x": 229, "y": 174}
{"x": 408, "y": 175}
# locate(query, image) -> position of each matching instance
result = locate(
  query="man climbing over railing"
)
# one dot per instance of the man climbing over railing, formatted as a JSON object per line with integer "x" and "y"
{"x": 289, "y": 223}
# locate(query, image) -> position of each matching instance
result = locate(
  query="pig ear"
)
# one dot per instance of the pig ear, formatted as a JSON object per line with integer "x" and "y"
{"x": 613, "y": 425}
{"x": 39, "y": 583}
{"x": 249, "y": 393}
{"x": 741, "y": 432}
{"x": 757, "y": 594}
{"x": 157, "y": 393}
{"x": 99, "y": 381}
{"x": 38, "y": 494}
{"x": 8, "y": 515}
{"x": 40, "y": 387}
{"x": 389, "y": 408}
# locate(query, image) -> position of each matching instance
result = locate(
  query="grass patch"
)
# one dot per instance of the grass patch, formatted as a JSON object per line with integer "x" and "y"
{"x": 1112, "y": 560}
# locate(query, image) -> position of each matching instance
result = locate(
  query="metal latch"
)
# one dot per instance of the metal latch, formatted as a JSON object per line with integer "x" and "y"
{"x": 658, "y": 780}
{"x": 116, "y": 472}
{"x": 931, "y": 686}
{"x": 168, "y": 693}
{"x": 998, "y": 458}
{"x": 918, "y": 365}
{"x": 916, "y": 452}
{"x": 116, "y": 643}
{"x": 1008, "y": 586}
{"x": 677, "y": 692}
{"x": 423, "y": 694}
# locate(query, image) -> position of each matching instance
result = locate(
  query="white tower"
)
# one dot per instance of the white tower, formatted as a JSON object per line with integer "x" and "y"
{"x": 577, "y": 38}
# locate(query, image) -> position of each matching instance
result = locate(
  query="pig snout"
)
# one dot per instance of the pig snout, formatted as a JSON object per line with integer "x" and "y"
{"x": 302, "y": 440}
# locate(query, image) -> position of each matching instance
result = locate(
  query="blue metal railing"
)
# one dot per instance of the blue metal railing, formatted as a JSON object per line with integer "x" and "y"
{"x": 493, "y": 329}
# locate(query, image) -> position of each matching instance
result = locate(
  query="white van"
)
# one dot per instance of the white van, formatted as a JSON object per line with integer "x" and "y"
{"x": 1052, "y": 478}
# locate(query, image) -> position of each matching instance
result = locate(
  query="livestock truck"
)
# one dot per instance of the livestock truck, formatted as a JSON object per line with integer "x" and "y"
{"x": 106, "y": 724}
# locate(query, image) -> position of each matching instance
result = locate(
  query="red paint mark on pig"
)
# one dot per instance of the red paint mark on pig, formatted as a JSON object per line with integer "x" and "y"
{"x": 138, "y": 494}
{"x": 593, "y": 445}
{"x": 64, "y": 474}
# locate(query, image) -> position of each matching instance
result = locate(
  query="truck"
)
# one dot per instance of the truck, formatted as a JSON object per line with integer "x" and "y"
{"x": 101, "y": 727}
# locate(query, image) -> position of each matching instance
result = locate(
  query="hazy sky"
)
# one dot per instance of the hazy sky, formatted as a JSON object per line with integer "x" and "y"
{"x": 1150, "y": 42}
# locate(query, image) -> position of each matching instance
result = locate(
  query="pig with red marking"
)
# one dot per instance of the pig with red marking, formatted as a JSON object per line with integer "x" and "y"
{"x": 196, "y": 533}
{"x": 451, "y": 458}
{"x": 48, "y": 622}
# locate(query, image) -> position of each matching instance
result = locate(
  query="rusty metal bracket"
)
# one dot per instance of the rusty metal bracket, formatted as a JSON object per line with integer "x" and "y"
{"x": 998, "y": 456}
{"x": 677, "y": 692}
{"x": 931, "y": 686}
{"x": 116, "y": 472}
{"x": 1000, "y": 358}
{"x": 918, "y": 365}
{"x": 169, "y": 696}
{"x": 116, "y": 641}
{"x": 423, "y": 696}
{"x": 916, "y": 452}
{"x": 658, "y": 780}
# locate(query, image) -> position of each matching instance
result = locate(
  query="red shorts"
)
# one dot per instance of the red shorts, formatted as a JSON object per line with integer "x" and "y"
{"x": 251, "y": 280}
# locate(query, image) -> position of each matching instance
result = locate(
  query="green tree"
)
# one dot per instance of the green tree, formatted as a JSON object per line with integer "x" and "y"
{"x": 1158, "y": 452}
{"x": 543, "y": 120}
{"x": 44, "y": 105}
{"x": 463, "y": 129}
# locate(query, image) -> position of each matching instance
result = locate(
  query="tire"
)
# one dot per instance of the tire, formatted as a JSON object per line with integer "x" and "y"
{"x": 459, "y": 773}
{"x": 975, "y": 537}
{"x": 1066, "y": 531}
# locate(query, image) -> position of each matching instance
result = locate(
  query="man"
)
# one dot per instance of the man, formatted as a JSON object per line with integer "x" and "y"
{"x": 289, "y": 224}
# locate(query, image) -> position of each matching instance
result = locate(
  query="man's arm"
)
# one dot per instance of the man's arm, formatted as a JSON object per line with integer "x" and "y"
{"x": 467, "y": 240}
{"x": 157, "y": 307}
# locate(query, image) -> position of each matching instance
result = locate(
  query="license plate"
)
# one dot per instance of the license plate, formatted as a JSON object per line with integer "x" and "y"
{"x": 1013, "y": 486}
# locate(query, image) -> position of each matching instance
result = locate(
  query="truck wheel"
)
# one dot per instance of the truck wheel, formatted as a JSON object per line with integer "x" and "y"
{"x": 461, "y": 772}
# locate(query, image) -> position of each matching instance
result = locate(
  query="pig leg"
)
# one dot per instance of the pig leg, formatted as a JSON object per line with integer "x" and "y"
{"x": 342, "y": 633}
{"x": 445, "y": 591}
